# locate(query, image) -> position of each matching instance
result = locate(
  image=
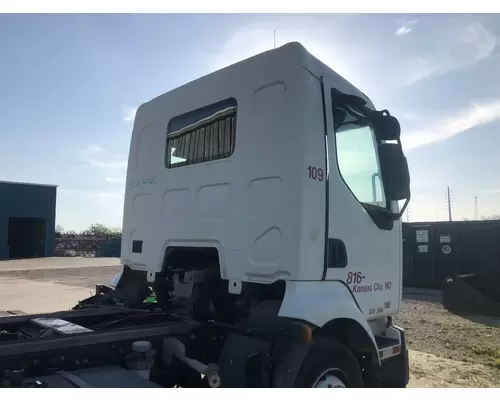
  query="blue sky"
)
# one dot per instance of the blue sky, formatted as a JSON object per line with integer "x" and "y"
{"x": 69, "y": 86}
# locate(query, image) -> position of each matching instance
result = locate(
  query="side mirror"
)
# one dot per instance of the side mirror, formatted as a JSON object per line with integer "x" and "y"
{"x": 394, "y": 171}
{"x": 385, "y": 126}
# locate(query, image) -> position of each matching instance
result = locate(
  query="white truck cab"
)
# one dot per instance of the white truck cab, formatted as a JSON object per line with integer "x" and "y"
{"x": 270, "y": 189}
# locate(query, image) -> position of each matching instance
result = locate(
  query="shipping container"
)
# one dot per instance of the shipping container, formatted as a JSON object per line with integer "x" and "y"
{"x": 434, "y": 251}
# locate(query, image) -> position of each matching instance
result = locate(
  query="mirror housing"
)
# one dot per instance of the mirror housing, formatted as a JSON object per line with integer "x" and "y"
{"x": 385, "y": 126}
{"x": 395, "y": 172}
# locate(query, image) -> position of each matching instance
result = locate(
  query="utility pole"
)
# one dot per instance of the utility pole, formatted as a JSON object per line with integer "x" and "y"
{"x": 449, "y": 204}
{"x": 408, "y": 214}
{"x": 476, "y": 209}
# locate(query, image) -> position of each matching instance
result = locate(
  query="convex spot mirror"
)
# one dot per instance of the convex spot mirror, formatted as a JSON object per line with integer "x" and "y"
{"x": 385, "y": 126}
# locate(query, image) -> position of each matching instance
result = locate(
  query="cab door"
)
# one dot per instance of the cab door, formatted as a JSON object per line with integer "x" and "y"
{"x": 364, "y": 242}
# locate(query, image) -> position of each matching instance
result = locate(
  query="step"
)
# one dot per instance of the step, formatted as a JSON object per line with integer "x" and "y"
{"x": 388, "y": 347}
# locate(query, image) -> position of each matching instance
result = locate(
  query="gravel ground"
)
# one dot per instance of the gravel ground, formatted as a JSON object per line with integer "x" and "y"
{"x": 51, "y": 284}
{"x": 430, "y": 371}
{"x": 57, "y": 263}
{"x": 87, "y": 277}
{"x": 467, "y": 347}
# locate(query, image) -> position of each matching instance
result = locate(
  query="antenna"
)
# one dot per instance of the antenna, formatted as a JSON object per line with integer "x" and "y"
{"x": 274, "y": 38}
{"x": 476, "y": 209}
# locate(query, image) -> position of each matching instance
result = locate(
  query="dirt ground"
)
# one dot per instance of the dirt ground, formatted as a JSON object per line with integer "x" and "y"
{"x": 430, "y": 371}
{"x": 449, "y": 350}
{"x": 446, "y": 350}
{"x": 87, "y": 277}
{"x": 51, "y": 284}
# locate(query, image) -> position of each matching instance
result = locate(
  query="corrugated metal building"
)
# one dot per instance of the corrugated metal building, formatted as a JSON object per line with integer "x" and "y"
{"x": 435, "y": 251}
{"x": 27, "y": 220}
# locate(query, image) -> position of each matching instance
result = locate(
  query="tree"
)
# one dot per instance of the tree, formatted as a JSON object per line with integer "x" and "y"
{"x": 490, "y": 217}
{"x": 103, "y": 231}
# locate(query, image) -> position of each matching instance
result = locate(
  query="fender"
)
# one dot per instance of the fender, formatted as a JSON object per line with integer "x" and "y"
{"x": 320, "y": 302}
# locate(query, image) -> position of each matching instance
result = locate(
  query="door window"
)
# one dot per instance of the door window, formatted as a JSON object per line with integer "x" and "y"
{"x": 358, "y": 163}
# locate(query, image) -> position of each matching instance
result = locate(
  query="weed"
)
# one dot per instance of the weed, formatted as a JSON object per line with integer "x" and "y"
{"x": 486, "y": 351}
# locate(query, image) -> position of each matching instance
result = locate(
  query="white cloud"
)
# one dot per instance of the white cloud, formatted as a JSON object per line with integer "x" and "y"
{"x": 453, "y": 48}
{"x": 112, "y": 166}
{"x": 97, "y": 157}
{"x": 418, "y": 68}
{"x": 406, "y": 28}
{"x": 316, "y": 35}
{"x": 117, "y": 163}
{"x": 129, "y": 113}
{"x": 475, "y": 115}
{"x": 439, "y": 46}
{"x": 115, "y": 180}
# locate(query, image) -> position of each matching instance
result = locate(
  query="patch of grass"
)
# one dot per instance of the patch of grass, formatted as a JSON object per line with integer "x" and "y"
{"x": 497, "y": 363}
{"x": 486, "y": 351}
{"x": 467, "y": 374}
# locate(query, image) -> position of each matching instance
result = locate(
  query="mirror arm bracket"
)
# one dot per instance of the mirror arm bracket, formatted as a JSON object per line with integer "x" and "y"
{"x": 403, "y": 209}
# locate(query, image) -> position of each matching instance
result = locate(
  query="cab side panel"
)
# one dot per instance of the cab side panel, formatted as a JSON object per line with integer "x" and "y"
{"x": 247, "y": 206}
